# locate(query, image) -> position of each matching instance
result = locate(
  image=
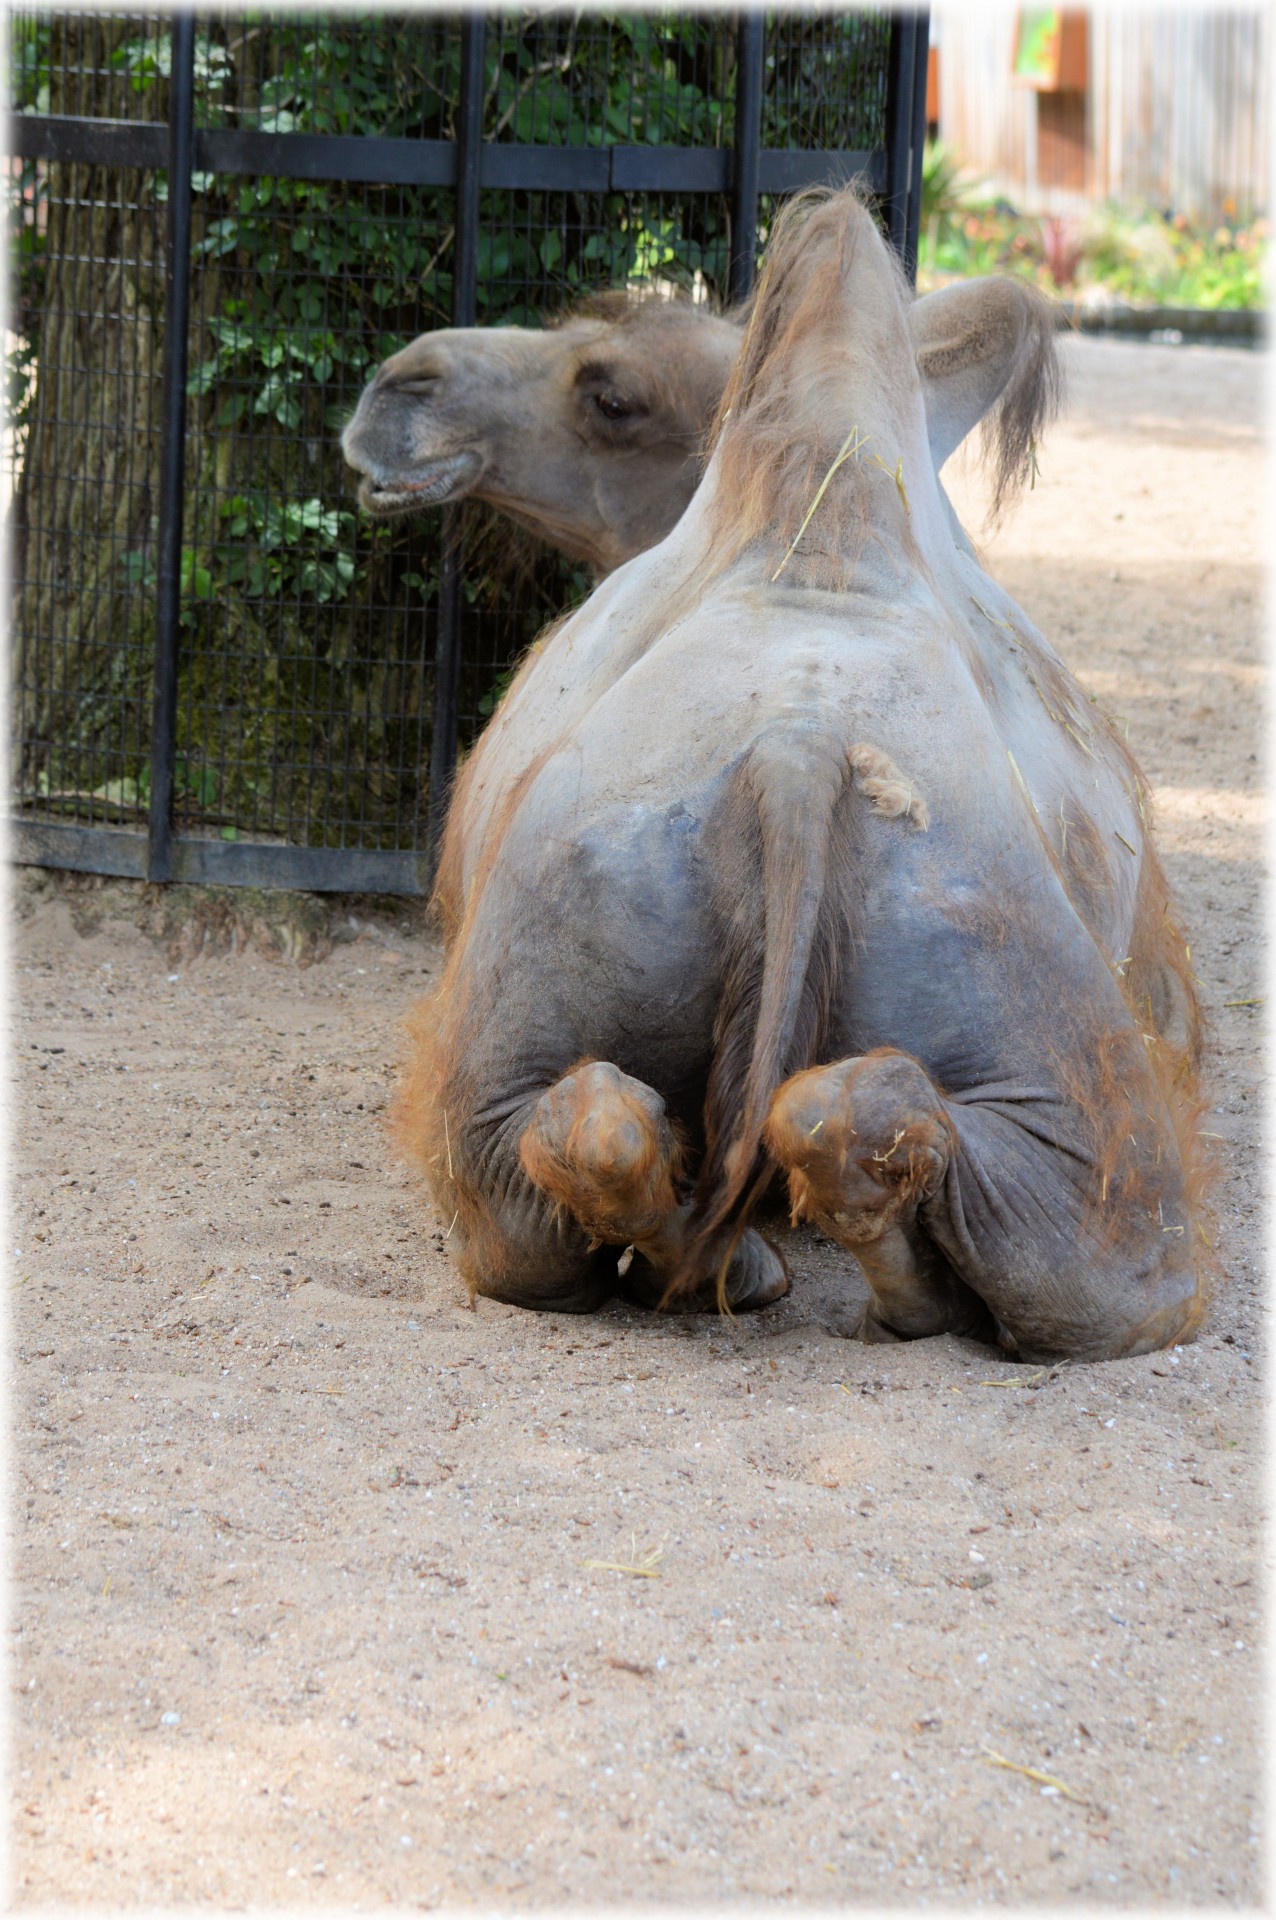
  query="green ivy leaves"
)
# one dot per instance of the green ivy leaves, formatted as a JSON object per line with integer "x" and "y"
{"x": 294, "y": 549}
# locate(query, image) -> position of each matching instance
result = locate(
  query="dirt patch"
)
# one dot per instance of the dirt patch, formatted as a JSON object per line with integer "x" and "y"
{"x": 194, "y": 922}
{"x": 316, "y": 1588}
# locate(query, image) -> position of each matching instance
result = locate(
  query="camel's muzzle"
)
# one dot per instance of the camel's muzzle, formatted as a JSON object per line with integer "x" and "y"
{"x": 385, "y": 497}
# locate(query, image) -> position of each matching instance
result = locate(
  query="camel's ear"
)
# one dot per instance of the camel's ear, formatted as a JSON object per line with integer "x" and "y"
{"x": 981, "y": 345}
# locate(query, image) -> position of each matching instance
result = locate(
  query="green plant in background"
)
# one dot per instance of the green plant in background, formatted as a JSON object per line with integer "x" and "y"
{"x": 1177, "y": 262}
{"x": 1138, "y": 255}
{"x": 947, "y": 197}
{"x": 291, "y": 549}
{"x": 196, "y": 582}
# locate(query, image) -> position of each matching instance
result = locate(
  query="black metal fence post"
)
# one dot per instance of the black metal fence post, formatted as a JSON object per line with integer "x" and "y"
{"x": 917, "y": 143}
{"x": 447, "y": 646}
{"x": 748, "y": 135}
{"x": 900, "y": 68}
{"x": 168, "y": 589}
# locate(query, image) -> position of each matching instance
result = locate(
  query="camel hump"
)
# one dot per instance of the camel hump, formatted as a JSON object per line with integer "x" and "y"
{"x": 822, "y": 425}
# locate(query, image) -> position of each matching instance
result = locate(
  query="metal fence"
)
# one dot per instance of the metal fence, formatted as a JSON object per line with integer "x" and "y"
{"x": 222, "y": 223}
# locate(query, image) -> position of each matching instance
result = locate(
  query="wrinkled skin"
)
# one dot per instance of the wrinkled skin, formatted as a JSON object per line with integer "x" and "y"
{"x": 591, "y": 433}
{"x": 813, "y": 857}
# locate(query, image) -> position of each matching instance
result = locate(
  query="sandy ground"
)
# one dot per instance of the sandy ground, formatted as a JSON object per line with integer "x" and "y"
{"x": 311, "y": 1601}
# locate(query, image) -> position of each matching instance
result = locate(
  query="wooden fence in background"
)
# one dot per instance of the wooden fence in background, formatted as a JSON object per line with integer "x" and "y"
{"x": 1175, "y": 111}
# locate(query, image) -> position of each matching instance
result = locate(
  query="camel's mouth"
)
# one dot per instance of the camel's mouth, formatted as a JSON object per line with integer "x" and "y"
{"x": 427, "y": 488}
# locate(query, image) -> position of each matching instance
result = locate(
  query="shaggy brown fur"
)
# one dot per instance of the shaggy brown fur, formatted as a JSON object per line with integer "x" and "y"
{"x": 634, "y": 306}
{"x": 777, "y": 864}
{"x": 437, "y": 1088}
{"x": 1017, "y": 321}
{"x": 1119, "y": 1123}
{"x": 1027, "y": 323}
{"x": 447, "y": 898}
{"x": 438, "y": 1080}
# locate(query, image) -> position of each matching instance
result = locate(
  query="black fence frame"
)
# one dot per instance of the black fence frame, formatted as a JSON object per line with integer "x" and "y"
{"x": 464, "y": 165}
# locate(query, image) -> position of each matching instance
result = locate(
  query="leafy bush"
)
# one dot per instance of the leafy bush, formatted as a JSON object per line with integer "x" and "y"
{"x": 947, "y": 197}
{"x": 1175, "y": 262}
{"x": 1162, "y": 259}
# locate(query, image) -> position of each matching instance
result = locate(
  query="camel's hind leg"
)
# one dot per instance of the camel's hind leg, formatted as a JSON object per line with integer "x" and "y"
{"x": 865, "y": 1142}
{"x": 600, "y": 1145}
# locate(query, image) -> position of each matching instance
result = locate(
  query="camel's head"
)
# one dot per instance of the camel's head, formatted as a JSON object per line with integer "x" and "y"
{"x": 589, "y": 433}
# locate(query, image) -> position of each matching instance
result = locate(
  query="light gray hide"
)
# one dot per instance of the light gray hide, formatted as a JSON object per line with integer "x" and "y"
{"x": 666, "y": 856}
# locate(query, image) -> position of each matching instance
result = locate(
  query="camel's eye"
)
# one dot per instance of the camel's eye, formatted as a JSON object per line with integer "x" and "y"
{"x": 598, "y": 393}
{"x": 611, "y": 406}
{"x": 423, "y": 383}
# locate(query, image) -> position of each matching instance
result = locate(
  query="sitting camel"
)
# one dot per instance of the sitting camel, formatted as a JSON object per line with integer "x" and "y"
{"x": 590, "y": 433}
{"x": 796, "y": 847}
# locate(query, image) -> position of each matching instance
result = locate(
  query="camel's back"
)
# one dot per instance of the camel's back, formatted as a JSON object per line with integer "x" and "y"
{"x": 863, "y": 671}
{"x": 755, "y": 657}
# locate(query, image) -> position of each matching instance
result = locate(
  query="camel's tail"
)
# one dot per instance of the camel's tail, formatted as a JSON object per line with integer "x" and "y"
{"x": 785, "y": 929}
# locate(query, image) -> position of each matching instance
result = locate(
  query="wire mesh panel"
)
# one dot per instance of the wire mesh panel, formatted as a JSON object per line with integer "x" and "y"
{"x": 308, "y": 639}
{"x": 88, "y": 315}
{"x": 87, "y": 66}
{"x": 82, "y": 626}
{"x": 587, "y": 80}
{"x": 824, "y": 85}
{"x": 304, "y": 703}
{"x": 335, "y": 74}
{"x": 335, "y": 197}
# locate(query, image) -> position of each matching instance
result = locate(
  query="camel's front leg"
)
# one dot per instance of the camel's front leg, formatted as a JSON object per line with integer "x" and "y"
{"x": 865, "y": 1142}
{"x": 599, "y": 1144}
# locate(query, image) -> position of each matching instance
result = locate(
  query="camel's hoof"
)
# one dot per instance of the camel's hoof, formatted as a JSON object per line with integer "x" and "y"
{"x": 757, "y": 1275}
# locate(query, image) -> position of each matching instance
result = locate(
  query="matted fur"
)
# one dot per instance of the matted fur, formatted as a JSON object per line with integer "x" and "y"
{"x": 891, "y": 792}
{"x": 447, "y": 898}
{"x": 426, "y": 1118}
{"x": 635, "y": 304}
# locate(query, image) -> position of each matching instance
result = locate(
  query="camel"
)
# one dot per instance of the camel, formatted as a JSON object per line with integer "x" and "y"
{"x": 590, "y": 433}
{"x": 796, "y": 848}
